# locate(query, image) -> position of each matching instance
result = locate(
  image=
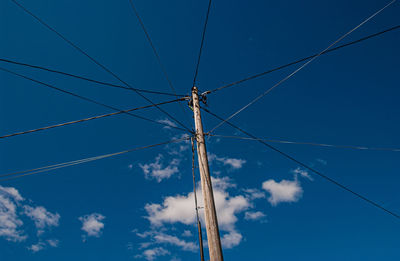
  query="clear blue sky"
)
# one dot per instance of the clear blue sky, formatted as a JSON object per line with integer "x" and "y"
{"x": 112, "y": 210}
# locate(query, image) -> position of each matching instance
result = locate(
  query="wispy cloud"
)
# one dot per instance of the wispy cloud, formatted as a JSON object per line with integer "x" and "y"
{"x": 167, "y": 122}
{"x": 10, "y": 223}
{"x": 153, "y": 253}
{"x": 302, "y": 172}
{"x": 42, "y": 217}
{"x": 12, "y": 208}
{"x": 254, "y": 193}
{"x": 322, "y": 161}
{"x": 41, "y": 245}
{"x": 187, "y": 233}
{"x": 257, "y": 215}
{"x": 155, "y": 236}
{"x": 178, "y": 148}
{"x": 158, "y": 171}
{"x": 231, "y": 162}
{"x": 53, "y": 242}
{"x": 37, "y": 247}
{"x": 173, "y": 240}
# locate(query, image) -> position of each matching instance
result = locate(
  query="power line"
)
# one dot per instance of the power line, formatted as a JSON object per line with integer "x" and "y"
{"x": 85, "y": 119}
{"x": 301, "y": 60}
{"x": 19, "y": 174}
{"x": 201, "y": 44}
{"x": 163, "y": 69}
{"x": 306, "y": 166}
{"x": 96, "y": 62}
{"x": 301, "y": 67}
{"x": 87, "y": 99}
{"x": 255, "y": 76}
{"x": 311, "y": 143}
{"x": 84, "y": 78}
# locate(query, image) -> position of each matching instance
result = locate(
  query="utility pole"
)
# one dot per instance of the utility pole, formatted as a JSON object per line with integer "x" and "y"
{"x": 214, "y": 241}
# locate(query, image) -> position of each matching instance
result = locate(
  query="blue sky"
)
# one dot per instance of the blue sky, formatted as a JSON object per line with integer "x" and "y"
{"x": 139, "y": 205}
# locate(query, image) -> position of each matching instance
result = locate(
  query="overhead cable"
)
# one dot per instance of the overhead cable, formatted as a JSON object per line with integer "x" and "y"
{"x": 302, "y": 66}
{"x": 311, "y": 143}
{"x": 84, "y": 78}
{"x": 19, "y": 174}
{"x": 255, "y": 76}
{"x": 88, "y": 99}
{"x": 96, "y": 62}
{"x": 163, "y": 69}
{"x": 202, "y": 43}
{"x": 85, "y": 119}
{"x": 308, "y": 167}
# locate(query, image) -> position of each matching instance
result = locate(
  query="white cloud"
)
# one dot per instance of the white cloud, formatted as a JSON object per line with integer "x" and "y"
{"x": 142, "y": 235}
{"x": 231, "y": 239}
{"x": 92, "y": 224}
{"x": 232, "y": 162}
{"x": 167, "y": 122}
{"x": 284, "y": 191}
{"x": 42, "y": 245}
{"x": 183, "y": 148}
{"x": 254, "y": 193}
{"x": 10, "y": 223}
{"x": 181, "y": 207}
{"x": 216, "y": 172}
{"x": 173, "y": 209}
{"x": 151, "y": 254}
{"x": 302, "y": 172}
{"x": 11, "y": 192}
{"x": 228, "y": 207}
{"x": 41, "y": 217}
{"x": 158, "y": 171}
{"x": 159, "y": 237}
{"x": 322, "y": 161}
{"x": 187, "y": 233}
{"x": 177, "y": 148}
{"x": 145, "y": 245}
{"x": 37, "y": 247}
{"x": 250, "y": 215}
{"x": 222, "y": 183}
{"x": 211, "y": 156}
{"x": 53, "y": 242}
{"x": 173, "y": 240}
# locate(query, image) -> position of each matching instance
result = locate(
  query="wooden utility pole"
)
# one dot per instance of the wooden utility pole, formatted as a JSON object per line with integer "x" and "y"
{"x": 214, "y": 241}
